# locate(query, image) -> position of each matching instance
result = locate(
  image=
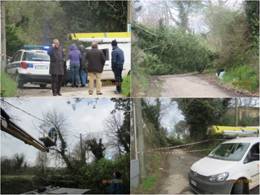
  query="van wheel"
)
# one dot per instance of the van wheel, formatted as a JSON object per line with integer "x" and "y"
{"x": 43, "y": 85}
{"x": 19, "y": 81}
{"x": 240, "y": 187}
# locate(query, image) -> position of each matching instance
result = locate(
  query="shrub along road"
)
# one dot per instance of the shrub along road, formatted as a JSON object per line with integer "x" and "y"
{"x": 189, "y": 86}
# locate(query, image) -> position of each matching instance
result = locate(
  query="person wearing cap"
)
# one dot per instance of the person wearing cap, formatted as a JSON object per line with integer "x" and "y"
{"x": 117, "y": 65}
{"x": 96, "y": 61}
{"x": 56, "y": 66}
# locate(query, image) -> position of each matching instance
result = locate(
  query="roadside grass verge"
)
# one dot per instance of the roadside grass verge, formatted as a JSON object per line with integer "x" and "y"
{"x": 16, "y": 184}
{"x": 126, "y": 86}
{"x": 154, "y": 164}
{"x": 242, "y": 77}
{"x": 8, "y": 85}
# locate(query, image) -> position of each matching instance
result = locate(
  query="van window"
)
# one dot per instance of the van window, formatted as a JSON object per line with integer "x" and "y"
{"x": 106, "y": 53}
{"x": 229, "y": 151}
{"x": 253, "y": 154}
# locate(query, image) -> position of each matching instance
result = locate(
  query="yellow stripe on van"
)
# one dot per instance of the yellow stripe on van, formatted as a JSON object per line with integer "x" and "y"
{"x": 220, "y": 130}
{"x": 77, "y": 36}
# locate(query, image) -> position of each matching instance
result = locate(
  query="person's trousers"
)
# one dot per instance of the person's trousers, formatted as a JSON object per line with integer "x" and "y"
{"x": 83, "y": 77}
{"x": 56, "y": 82}
{"x": 94, "y": 76}
{"x": 118, "y": 76}
{"x": 75, "y": 74}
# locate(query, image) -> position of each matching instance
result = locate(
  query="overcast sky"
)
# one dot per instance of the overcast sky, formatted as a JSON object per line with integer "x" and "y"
{"x": 87, "y": 116}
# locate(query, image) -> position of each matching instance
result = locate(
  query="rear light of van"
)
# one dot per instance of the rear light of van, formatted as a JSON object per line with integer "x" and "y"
{"x": 23, "y": 65}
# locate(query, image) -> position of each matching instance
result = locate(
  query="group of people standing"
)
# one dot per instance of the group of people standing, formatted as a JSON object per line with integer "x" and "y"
{"x": 85, "y": 66}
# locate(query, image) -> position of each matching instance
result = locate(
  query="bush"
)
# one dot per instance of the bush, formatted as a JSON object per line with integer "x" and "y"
{"x": 244, "y": 77}
{"x": 93, "y": 174}
{"x": 170, "y": 50}
{"x": 126, "y": 86}
{"x": 8, "y": 85}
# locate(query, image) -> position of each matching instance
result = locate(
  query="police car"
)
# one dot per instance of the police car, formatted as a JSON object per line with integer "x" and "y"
{"x": 232, "y": 167}
{"x": 30, "y": 65}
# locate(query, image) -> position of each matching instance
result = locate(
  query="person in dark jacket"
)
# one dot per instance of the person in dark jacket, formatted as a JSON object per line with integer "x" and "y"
{"x": 74, "y": 57}
{"x": 56, "y": 66}
{"x": 117, "y": 65}
{"x": 83, "y": 73}
{"x": 96, "y": 61}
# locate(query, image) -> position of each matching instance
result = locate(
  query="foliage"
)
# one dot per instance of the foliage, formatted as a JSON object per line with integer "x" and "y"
{"x": 230, "y": 37}
{"x": 171, "y": 50}
{"x": 202, "y": 113}
{"x": 14, "y": 164}
{"x": 252, "y": 16}
{"x": 12, "y": 40}
{"x": 96, "y": 147}
{"x": 16, "y": 184}
{"x": 102, "y": 16}
{"x": 126, "y": 86}
{"x": 8, "y": 85}
{"x": 121, "y": 132}
{"x": 152, "y": 115}
{"x": 45, "y": 21}
{"x": 244, "y": 77}
{"x": 93, "y": 174}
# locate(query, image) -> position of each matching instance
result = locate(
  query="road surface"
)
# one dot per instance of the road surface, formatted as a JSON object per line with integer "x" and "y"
{"x": 179, "y": 166}
{"x": 190, "y": 86}
{"x": 36, "y": 91}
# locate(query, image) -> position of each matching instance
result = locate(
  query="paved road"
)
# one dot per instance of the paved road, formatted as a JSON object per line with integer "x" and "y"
{"x": 177, "y": 180}
{"x": 189, "y": 86}
{"x": 36, "y": 91}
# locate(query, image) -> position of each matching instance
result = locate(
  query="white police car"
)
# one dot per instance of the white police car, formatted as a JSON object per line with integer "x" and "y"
{"x": 232, "y": 167}
{"x": 30, "y": 65}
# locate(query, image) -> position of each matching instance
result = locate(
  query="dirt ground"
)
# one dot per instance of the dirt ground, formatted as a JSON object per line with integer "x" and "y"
{"x": 176, "y": 181}
{"x": 36, "y": 91}
{"x": 191, "y": 85}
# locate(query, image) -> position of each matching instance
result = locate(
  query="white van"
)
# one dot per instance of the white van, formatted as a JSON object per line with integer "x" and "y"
{"x": 104, "y": 43}
{"x": 232, "y": 167}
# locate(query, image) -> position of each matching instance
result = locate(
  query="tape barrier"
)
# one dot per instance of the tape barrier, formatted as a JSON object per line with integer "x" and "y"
{"x": 163, "y": 149}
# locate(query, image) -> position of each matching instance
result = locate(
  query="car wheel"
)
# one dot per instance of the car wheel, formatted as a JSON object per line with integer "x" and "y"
{"x": 19, "y": 81}
{"x": 240, "y": 187}
{"x": 43, "y": 85}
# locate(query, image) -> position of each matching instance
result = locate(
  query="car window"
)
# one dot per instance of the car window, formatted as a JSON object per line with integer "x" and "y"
{"x": 17, "y": 56}
{"x": 253, "y": 154}
{"x": 36, "y": 56}
{"x": 230, "y": 151}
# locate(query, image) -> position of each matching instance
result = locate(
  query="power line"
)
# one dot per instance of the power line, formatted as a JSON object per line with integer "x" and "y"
{"x": 28, "y": 113}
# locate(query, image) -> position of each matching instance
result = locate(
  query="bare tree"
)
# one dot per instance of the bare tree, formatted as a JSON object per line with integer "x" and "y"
{"x": 42, "y": 161}
{"x": 53, "y": 119}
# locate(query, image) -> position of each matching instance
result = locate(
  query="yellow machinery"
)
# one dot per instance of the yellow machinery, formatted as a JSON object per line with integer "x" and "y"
{"x": 232, "y": 131}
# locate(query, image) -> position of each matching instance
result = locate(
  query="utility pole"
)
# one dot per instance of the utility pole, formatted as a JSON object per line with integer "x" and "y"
{"x": 3, "y": 36}
{"x": 81, "y": 149}
{"x": 140, "y": 135}
{"x": 129, "y": 15}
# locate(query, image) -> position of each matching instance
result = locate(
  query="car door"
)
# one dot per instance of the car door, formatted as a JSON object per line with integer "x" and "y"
{"x": 251, "y": 163}
{"x": 15, "y": 63}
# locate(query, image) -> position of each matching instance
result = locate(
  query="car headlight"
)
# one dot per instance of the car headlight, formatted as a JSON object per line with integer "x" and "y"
{"x": 219, "y": 177}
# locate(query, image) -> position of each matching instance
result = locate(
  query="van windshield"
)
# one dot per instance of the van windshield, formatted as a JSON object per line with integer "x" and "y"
{"x": 36, "y": 56}
{"x": 229, "y": 151}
